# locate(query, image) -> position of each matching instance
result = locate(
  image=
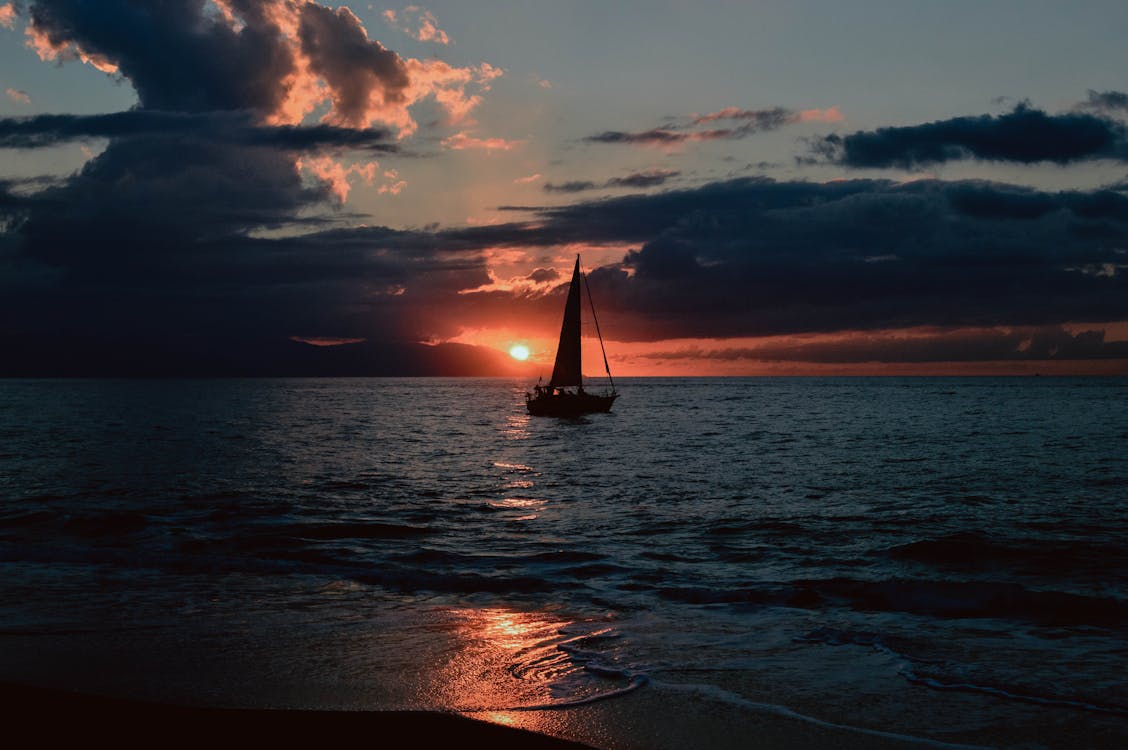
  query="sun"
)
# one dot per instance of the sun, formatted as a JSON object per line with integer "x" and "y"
{"x": 519, "y": 351}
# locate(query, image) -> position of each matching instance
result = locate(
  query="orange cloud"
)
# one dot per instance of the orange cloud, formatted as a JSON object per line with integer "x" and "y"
{"x": 830, "y": 114}
{"x": 418, "y": 24}
{"x": 48, "y": 50}
{"x": 773, "y": 117}
{"x": 395, "y": 186}
{"x": 720, "y": 114}
{"x": 363, "y": 82}
{"x": 18, "y": 96}
{"x": 328, "y": 63}
{"x": 336, "y": 175}
{"x": 8, "y": 16}
{"x": 462, "y": 141}
{"x": 527, "y": 180}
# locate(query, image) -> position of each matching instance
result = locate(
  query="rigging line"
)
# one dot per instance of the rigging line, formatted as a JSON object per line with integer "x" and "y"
{"x": 597, "y": 332}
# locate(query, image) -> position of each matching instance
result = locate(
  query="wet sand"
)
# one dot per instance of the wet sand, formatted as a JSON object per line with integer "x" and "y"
{"x": 51, "y": 718}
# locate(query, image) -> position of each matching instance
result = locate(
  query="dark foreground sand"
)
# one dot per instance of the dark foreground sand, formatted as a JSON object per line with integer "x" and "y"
{"x": 54, "y": 718}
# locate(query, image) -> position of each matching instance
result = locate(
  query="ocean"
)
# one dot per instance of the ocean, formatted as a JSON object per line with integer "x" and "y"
{"x": 917, "y": 561}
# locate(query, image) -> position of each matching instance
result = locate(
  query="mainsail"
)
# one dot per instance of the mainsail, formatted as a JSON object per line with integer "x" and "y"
{"x": 567, "y": 368}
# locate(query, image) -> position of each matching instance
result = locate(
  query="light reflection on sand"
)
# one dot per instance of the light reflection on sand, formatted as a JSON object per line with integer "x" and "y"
{"x": 513, "y": 667}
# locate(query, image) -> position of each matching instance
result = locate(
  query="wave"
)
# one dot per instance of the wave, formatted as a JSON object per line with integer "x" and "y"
{"x": 363, "y": 530}
{"x": 729, "y": 527}
{"x": 911, "y": 672}
{"x": 935, "y": 598}
{"x": 31, "y": 518}
{"x": 735, "y": 699}
{"x": 429, "y": 556}
{"x": 636, "y": 681}
{"x": 958, "y": 599}
{"x": 105, "y": 524}
{"x": 978, "y": 550}
{"x": 1014, "y": 694}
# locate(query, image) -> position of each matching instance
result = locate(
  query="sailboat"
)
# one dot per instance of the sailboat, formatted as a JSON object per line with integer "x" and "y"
{"x": 556, "y": 399}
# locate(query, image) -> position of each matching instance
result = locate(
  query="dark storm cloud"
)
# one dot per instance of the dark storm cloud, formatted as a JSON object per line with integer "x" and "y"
{"x": 176, "y": 56}
{"x": 757, "y": 257}
{"x": 353, "y": 65}
{"x": 219, "y": 127}
{"x": 1025, "y": 135}
{"x": 180, "y": 57}
{"x": 151, "y": 259}
{"x": 14, "y": 193}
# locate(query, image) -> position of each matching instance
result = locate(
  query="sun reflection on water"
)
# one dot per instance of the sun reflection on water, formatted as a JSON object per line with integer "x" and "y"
{"x": 516, "y": 427}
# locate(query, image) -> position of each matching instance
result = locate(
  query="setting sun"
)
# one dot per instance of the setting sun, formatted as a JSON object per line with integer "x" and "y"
{"x": 519, "y": 351}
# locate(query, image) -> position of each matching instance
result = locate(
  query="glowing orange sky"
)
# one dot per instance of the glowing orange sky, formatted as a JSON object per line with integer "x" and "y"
{"x": 643, "y": 359}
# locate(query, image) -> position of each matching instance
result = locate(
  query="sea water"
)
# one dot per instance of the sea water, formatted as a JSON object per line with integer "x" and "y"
{"x": 940, "y": 560}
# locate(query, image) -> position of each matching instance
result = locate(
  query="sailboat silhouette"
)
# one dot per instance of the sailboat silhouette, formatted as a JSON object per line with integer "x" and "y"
{"x": 554, "y": 399}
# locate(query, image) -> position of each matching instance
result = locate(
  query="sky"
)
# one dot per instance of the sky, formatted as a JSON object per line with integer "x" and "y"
{"x": 303, "y": 187}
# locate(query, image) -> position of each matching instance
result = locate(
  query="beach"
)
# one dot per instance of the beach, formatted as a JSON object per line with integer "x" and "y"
{"x": 55, "y": 716}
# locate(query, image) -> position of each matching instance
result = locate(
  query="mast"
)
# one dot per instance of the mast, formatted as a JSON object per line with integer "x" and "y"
{"x": 594, "y": 317}
{"x": 566, "y": 371}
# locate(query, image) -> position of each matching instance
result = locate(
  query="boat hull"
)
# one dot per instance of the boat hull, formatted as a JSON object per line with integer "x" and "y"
{"x": 568, "y": 404}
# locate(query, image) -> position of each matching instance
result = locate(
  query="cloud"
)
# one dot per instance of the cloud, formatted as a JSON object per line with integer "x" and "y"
{"x": 575, "y": 186}
{"x": 394, "y": 186}
{"x": 758, "y": 257}
{"x": 654, "y": 137}
{"x": 1106, "y": 101}
{"x": 280, "y": 59}
{"x": 544, "y": 275}
{"x": 526, "y": 180}
{"x": 742, "y": 258}
{"x": 417, "y": 23}
{"x": 670, "y": 137}
{"x": 765, "y": 119}
{"x": 335, "y": 175}
{"x": 463, "y": 141}
{"x": 753, "y": 121}
{"x": 7, "y": 16}
{"x": 645, "y": 179}
{"x": 233, "y": 127}
{"x": 1025, "y": 135}
{"x": 200, "y": 240}
{"x": 18, "y": 96}
{"x": 830, "y": 114}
